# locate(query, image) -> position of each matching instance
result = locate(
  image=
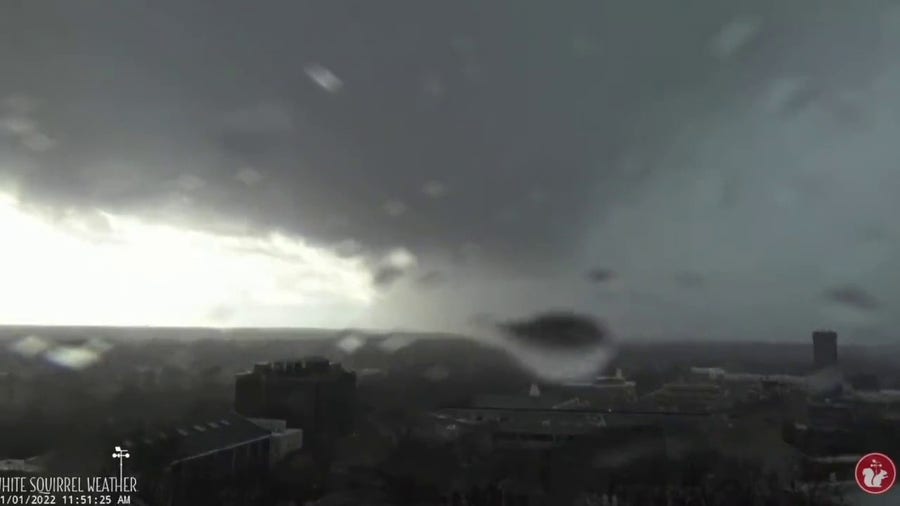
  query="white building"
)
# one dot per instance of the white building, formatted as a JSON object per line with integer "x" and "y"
{"x": 603, "y": 392}
{"x": 284, "y": 440}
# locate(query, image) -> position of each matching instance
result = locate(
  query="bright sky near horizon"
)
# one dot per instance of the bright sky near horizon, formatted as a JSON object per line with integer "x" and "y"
{"x": 98, "y": 268}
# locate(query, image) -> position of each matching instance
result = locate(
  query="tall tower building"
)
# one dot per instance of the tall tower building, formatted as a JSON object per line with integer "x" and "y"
{"x": 824, "y": 349}
{"x": 312, "y": 394}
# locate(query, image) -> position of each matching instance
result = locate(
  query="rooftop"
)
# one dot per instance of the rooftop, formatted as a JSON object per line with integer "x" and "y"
{"x": 646, "y": 412}
{"x": 602, "y": 383}
{"x": 310, "y": 366}
{"x": 195, "y": 439}
{"x": 690, "y": 388}
{"x": 566, "y": 421}
{"x": 514, "y": 401}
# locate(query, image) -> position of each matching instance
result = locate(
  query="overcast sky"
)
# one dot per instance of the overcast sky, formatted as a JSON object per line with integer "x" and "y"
{"x": 732, "y": 168}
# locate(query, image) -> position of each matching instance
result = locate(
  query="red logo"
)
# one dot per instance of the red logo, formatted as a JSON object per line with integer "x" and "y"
{"x": 876, "y": 473}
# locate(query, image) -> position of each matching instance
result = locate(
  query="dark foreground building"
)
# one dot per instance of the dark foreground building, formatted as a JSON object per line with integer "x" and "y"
{"x": 312, "y": 394}
{"x": 824, "y": 349}
{"x": 222, "y": 462}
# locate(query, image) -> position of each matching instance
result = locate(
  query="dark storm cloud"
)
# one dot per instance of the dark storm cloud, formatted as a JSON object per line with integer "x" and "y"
{"x": 520, "y": 137}
{"x": 601, "y": 275}
{"x": 386, "y": 275}
{"x": 431, "y": 279}
{"x": 557, "y": 330}
{"x": 324, "y": 101}
{"x": 852, "y": 296}
{"x": 392, "y": 267}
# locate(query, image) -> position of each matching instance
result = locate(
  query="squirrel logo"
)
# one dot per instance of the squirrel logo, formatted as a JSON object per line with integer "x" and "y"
{"x": 876, "y": 473}
{"x": 871, "y": 479}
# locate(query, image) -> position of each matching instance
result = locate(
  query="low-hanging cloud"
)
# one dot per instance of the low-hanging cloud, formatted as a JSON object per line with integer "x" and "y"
{"x": 852, "y": 296}
{"x": 555, "y": 330}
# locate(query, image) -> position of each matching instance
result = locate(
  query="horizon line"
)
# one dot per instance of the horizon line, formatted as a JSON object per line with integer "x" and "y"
{"x": 434, "y": 333}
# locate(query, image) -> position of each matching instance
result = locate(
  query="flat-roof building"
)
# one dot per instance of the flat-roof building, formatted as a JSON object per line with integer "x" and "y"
{"x": 226, "y": 459}
{"x": 690, "y": 397}
{"x": 313, "y": 394}
{"x": 603, "y": 392}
